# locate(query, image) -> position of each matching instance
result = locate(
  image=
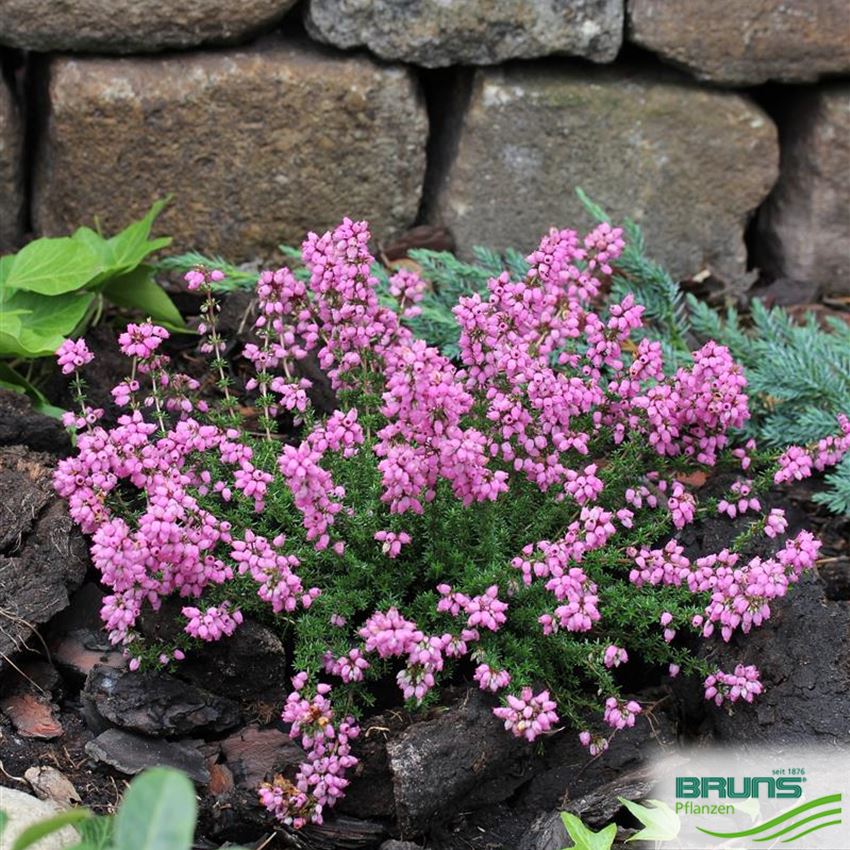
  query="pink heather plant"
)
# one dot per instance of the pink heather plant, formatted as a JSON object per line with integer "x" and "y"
{"x": 742, "y": 684}
{"x": 509, "y": 517}
{"x": 73, "y": 354}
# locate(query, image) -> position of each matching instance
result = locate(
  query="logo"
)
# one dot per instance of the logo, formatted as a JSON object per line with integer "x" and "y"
{"x": 757, "y": 797}
{"x": 730, "y": 787}
{"x": 825, "y": 812}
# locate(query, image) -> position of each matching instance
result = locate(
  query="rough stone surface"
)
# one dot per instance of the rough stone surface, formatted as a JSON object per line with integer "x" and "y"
{"x": 131, "y": 754}
{"x": 77, "y": 637}
{"x": 727, "y": 41}
{"x": 257, "y": 146}
{"x": 82, "y": 614}
{"x": 24, "y": 810}
{"x": 400, "y": 845}
{"x": 11, "y": 175}
{"x": 370, "y": 794}
{"x": 804, "y": 227}
{"x": 568, "y": 776}
{"x": 249, "y": 665}
{"x": 600, "y": 806}
{"x": 133, "y": 26}
{"x": 546, "y": 833}
{"x": 21, "y": 425}
{"x": 342, "y": 831}
{"x": 32, "y": 715}
{"x": 81, "y": 650}
{"x": 835, "y": 576}
{"x": 156, "y": 704}
{"x": 255, "y": 755}
{"x": 35, "y": 673}
{"x": 42, "y": 556}
{"x": 434, "y": 33}
{"x": 460, "y": 758}
{"x": 689, "y": 165}
{"x": 48, "y": 783}
{"x": 221, "y": 780}
{"x": 803, "y": 653}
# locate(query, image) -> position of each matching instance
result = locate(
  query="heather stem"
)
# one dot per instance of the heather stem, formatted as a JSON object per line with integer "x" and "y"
{"x": 80, "y": 398}
{"x": 210, "y": 310}
{"x": 156, "y": 395}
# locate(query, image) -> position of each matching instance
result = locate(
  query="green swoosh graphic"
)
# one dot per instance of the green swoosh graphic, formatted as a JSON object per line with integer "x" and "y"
{"x": 799, "y": 823}
{"x": 813, "y": 829}
{"x": 780, "y": 819}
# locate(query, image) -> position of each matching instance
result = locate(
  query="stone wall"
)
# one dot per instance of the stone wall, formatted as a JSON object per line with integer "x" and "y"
{"x": 722, "y": 127}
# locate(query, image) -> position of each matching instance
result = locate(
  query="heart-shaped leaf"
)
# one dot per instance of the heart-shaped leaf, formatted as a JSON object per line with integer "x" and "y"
{"x": 158, "y": 812}
{"x": 53, "y": 266}
{"x": 660, "y": 823}
{"x": 586, "y": 839}
{"x": 33, "y": 325}
{"x": 129, "y": 247}
{"x": 139, "y": 291}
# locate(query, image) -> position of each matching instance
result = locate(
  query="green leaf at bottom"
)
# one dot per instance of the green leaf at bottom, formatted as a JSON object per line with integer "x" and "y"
{"x": 158, "y": 812}
{"x": 586, "y": 839}
{"x": 660, "y": 823}
{"x": 138, "y": 290}
{"x": 39, "y": 830}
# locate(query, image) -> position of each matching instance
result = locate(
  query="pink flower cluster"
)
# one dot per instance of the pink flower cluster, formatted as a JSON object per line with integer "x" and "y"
{"x": 743, "y": 684}
{"x": 142, "y": 340}
{"x": 320, "y": 780}
{"x": 174, "y": 546}
{"x": 621, "y": 714}
{"x": 740, "y": 501}
{"x": 408, "y": 289}
{"x": 799, "y": 462}
{"x": 528, "y": 715}
{"x": 201, "y": 279}
{"x": 485, "y": 610}
{"x": 73, "y": 354}
{"x": 775, "y": 523}
{"x": 491, "y": 680}
{"x": 275, "y": 572}
{"x": 392, "y": 542}
{"x": 596, "y": 744}
{"x": 615, "y": 656}
{"x": 740, "y": 595}
{"x": 570, "y": 586}
{"x": 549, "y": 397}
{"x": 349, "y": 668}
{"x": 213, "y": 623}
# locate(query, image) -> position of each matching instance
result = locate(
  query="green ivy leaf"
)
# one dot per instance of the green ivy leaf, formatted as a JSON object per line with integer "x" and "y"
{"x": 96, "y": 243}
{"x": 96, "y": 833}
{"x": 10, "y": 326}
{"x": 586, "y": 839}
{"x": 660, "y": 823}
{"x": 5, "y": 267}
{"x": 4, "y": 819}
{"x": 129, "y": 247}
{"x": 53, "y": 266}
{"x": 158, "y": 812}
{"x": 34, "y": 325}
{"x": 139, "y": 291}
{"x": 39, "y": 830}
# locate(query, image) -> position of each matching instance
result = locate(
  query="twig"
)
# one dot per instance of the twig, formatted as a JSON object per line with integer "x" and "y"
{"x": 9, "y": 775}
